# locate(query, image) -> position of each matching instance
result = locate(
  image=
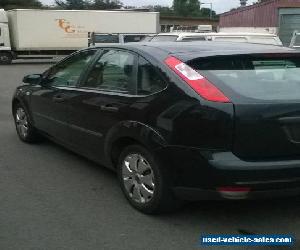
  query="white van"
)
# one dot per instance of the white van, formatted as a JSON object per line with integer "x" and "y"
{"x": 260, "y": 38}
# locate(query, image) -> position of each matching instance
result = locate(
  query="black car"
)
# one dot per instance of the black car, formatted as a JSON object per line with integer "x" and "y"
{"x": 190, "y": 121}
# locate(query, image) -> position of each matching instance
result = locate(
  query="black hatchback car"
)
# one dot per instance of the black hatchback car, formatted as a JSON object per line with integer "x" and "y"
{"x": 176, "y": 121}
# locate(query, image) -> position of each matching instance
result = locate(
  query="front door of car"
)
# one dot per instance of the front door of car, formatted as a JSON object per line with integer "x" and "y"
{"x": 104, "y": 98}
{"x": 50, "y": 101}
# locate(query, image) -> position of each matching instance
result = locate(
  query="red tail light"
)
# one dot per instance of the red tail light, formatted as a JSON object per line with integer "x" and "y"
{"x": 196, "y": 81}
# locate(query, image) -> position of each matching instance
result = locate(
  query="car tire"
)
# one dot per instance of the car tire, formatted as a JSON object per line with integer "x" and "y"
{"x": 25, "y": 130}
{"x": 5, "y": 58}
{"x": 145, "y": 182}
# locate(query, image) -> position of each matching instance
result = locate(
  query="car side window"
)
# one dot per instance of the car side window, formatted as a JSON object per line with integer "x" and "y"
{"x": 149, "y": 80}
{"x": 67, "y": 73}
{"x": 113, "y": 71}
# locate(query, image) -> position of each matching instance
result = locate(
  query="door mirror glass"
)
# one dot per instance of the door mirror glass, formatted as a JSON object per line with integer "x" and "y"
{"x": 34, "y": 79}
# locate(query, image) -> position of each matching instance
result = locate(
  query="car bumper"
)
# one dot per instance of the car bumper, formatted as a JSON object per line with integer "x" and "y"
{"x": 208, "y": 175}
{"x": 194, "y": 194}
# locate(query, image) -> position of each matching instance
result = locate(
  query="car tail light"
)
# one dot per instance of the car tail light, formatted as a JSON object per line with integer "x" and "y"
{"x": 196, "y": 81}
{"x": 234, "y": 192}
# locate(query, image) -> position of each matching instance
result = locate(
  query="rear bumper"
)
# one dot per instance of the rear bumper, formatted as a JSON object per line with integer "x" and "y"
{"x": 202, "y": 175}
{"x": 228, "y": 161}
{"x": 194, "y": 194}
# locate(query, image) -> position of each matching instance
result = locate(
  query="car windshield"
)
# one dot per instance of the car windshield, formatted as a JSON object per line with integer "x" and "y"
{"x": 264, "y": 78}
{"x": 164, "y": 38}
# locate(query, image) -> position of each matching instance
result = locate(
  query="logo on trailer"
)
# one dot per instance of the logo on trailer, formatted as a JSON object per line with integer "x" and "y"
{"x": 71, "y": 30}
{"x": 65, "y": 25}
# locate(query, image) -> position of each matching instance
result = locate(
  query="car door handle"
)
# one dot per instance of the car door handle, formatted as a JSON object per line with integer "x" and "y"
{"x": 58, "y": 98}
{"x": 110, "y": 108}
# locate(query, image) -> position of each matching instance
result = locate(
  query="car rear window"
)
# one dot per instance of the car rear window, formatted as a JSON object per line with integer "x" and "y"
{"x": 268, "y": 77}
{"x": 165, "y": 38}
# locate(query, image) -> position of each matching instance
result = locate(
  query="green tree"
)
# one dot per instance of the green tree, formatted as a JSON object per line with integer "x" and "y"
{"x": 106, "y": 4}
{"x": 163, "y": 10}
{"x": 73, "y": 4}
{"x": 24, "y": 4}
{"x": 186, "y": 7}
{"x": 88, "y": 4}
{"x": 191, "y": 8}
{"x": 205, "y": 12}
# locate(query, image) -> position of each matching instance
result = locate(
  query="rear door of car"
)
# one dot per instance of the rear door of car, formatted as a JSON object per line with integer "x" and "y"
{"x": 102, "y": 100}
{"x": 115, "y": 89}
{"x": 265, "y": 91}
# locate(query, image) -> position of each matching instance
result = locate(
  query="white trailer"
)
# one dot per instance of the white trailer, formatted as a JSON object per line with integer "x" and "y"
{"x": 43, "y": 33}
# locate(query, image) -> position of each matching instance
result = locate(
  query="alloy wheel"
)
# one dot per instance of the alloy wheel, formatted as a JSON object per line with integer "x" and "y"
{"x": 138, "y": 178}
{"x": 22, "y": 122}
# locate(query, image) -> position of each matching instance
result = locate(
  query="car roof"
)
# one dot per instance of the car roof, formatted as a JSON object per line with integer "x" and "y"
{"x": 190, "y": 50}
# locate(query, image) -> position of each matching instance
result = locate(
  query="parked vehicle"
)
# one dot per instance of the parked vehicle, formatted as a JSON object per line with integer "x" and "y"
{"x": 259, "y": 38}
{"x": 175, "y": 121}
{"x": 95, "y": 39}
{"x": 27, "y": 34}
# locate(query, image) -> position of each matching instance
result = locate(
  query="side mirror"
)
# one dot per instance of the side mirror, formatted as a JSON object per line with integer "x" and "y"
{"x": 34, "y": 79}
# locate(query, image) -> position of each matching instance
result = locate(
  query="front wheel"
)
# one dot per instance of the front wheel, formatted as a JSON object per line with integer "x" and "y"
{"x": 145, "y": 182}
{"x": 25, "y": 130}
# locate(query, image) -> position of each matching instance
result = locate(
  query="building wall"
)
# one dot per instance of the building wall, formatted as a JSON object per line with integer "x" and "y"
{"x": 259, "y": 15}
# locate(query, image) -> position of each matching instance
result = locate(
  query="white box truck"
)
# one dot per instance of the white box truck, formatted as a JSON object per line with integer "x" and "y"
{"x": 26, "y": 33}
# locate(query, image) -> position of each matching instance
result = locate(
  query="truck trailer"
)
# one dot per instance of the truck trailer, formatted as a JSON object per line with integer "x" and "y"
{"x": 33, "y": 33}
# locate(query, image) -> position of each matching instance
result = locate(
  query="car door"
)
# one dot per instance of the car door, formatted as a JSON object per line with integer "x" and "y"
{"x": 103, "y": 99}
{"x": 50, "y": 100}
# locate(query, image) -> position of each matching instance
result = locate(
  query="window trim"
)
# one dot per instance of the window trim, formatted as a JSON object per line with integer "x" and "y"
{"x": 92, "y": 64}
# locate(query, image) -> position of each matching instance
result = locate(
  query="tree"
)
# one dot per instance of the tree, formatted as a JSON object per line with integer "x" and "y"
{"x": 88, "y": 4}
{"x": 186, "y": 7}
{"x": 191, "y": 8}
{"x": 72, "y": 4}
{"x": 106, "y": 4}
{"x": 205, "y": 12}
{"x": 24, "y": 4}
{"x": 163, "y": 10}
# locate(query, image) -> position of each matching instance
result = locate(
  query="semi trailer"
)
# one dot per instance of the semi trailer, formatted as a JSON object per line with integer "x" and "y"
{"x": 34, "y": 33}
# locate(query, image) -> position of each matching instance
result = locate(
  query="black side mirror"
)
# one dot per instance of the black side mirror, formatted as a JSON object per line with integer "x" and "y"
{"x": 34, "y": 79}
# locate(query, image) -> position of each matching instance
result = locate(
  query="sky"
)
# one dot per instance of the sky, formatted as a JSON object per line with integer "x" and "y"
{"x": 219, "y": 6}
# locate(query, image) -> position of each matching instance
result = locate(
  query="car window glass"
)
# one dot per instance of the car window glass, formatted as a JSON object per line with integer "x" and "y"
{"x": 114, "y": 71}
{"x": 67, "y": 73}
{"x": 106, "y": 38}
{"x": 133, "y": 38}
{"x": 268, "y": 77}
{"x": 193, "y": 38}
{"x": 149, "y": 81}
{"x": 164, "y": 38}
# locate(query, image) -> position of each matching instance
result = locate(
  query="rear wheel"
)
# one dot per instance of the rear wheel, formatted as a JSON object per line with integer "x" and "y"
{"x": 144, "y": 181}
{"x": 25, "y": 130}
{"x": 5, "y": 58}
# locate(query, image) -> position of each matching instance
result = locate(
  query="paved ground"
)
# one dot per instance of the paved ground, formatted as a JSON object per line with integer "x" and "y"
{"x": 51, "y": 198}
